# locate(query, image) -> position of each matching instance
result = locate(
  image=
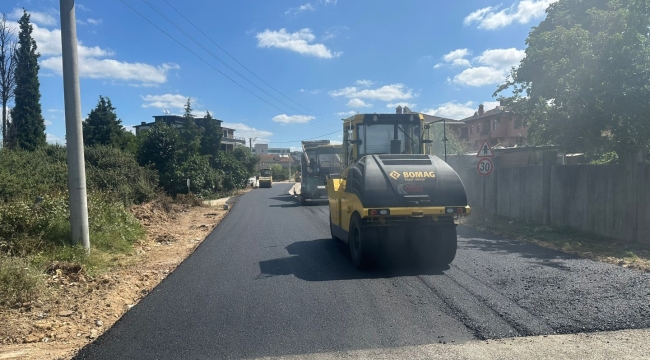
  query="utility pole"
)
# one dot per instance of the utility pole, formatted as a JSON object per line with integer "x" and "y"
{"x": 73, "y": 129}
{"x": 250, "y": 143}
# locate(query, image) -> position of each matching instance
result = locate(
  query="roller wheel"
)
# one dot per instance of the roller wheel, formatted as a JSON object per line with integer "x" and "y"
{"x": 445, "y": 242}
{"x": 362, "y": 243}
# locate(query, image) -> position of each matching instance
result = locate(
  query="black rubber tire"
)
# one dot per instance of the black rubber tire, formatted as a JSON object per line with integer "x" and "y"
{"x": 362, "y": 246}
{"x": 445, "y": 242}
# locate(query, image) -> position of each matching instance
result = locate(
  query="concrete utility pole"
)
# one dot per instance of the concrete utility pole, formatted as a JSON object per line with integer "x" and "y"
{"x": 73, "y": 129}
{"x": 250, "y": 143}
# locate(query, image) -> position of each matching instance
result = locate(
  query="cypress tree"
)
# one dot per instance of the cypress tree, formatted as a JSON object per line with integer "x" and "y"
{"x": 27, "y": 119}
{"x": 102, "y": 127}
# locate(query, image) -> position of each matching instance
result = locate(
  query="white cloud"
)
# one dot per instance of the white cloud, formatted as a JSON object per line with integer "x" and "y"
{"x": 92, "y": 21}
{"x": 456, "y": 54}
{"x": 316, "y": 91}
{"x": 355, "y": 103}
{"x": 458, "y": 111}
{"x": 297, "y": 10}
{"x": 130, "y": 129}
{"x": 298, "y": 42}
{"x": 81, "y": 7}
{"x": 47, "y": 122}
{"x": 496, "y": 64}
{"x": 35, "y": 17}
{"x": 112, "y": 69}
{"x": 292, "y": 119}
{"x": 501, "y": 58}
{"x": 385, "y": 93}
{"x": 455, "y": 58}
{"x": 364, "y": 82}
{"x": 522, "y": 12}
{"x": 402, "y": 104}
{"x": 166, "y": 101}
{"x": 346, "y": 113}
{"x": 480, "y": 76}
{"x": 54, "y": 110}
{"x": 93, "y": 63}
{"x": 53, "y": 139}
{"x": 247, "y": 132}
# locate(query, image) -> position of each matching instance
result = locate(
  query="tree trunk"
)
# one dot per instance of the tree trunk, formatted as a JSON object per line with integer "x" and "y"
{"x": 4, "y": 123}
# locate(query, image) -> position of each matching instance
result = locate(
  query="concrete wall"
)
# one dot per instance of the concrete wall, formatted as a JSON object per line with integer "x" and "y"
{"x": 609, "y": 200}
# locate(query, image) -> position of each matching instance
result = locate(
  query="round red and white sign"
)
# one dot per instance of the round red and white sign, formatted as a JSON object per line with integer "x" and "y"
{"x": 484, "y": 166}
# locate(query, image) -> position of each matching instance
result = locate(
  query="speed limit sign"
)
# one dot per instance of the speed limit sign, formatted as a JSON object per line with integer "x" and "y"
{"x": 484, "y": 166}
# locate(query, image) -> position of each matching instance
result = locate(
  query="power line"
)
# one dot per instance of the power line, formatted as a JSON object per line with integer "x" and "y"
{"x": 237, "y": 61}
{"x": 200, "y": 58}
{"x": 220, "y": 72}
{"x": 214, "y": 55}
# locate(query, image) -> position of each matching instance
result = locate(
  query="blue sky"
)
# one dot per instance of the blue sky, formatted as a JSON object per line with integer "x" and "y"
{"x": 324, "y": 59}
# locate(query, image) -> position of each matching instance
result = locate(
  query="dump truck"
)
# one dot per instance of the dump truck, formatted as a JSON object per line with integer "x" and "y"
{"x": 319, "y": 159}
{"x": 265, "y": 179}
{"x": 391, "y": 193}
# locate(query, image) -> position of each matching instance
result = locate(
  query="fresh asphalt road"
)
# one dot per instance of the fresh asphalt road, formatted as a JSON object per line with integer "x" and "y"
{"x": 269, "y": 281}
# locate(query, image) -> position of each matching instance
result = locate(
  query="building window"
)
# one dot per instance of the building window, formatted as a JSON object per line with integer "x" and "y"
{"x": 471, "y": 129}
{"x": 494, "y": 126}
{"x": 478, "y": 128}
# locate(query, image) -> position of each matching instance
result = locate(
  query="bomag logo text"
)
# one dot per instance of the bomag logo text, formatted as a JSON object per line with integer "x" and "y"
{"x": 418, "y": 174}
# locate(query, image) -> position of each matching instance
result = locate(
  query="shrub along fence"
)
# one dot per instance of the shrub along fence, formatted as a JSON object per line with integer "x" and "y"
{"x": 609, "y": 200}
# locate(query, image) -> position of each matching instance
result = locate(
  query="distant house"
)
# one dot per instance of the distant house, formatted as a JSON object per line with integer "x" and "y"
{"x": 228, "y": 141}
{"x": 266, "y": 160}
{"x": 261, "y": 149}
{"x": 499, "y": 126}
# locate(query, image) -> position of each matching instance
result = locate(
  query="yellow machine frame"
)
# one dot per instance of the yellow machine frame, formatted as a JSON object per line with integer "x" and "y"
{"x": 347, "y": 204}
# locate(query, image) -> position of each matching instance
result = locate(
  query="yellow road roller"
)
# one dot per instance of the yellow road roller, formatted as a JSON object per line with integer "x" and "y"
{"x": 266, "y": 179}
{"x": 390, "y": 193}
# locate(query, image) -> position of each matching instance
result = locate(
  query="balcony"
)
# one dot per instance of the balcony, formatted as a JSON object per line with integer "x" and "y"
{"x": 231, "y": 139}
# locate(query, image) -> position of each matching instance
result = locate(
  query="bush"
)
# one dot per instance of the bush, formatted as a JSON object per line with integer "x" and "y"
{"x": 114, "y": 171}
{"x": 26, "y": 175}
{"x": 27, "y": 229}
{"x": 279, "y": 173}
{"x": 235, "y": 173}
{"x": 204, "y": 180}
{"x": 18, "y": 282}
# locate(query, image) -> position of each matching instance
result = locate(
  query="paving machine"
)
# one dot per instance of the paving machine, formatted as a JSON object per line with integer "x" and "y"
{"x": 266, "y": 179}
{"x": 392, "y": 194}
{"x": 319, "y": 160}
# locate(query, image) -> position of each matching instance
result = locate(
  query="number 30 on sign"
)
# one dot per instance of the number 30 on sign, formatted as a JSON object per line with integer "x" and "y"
{"x": 484, "y": 166}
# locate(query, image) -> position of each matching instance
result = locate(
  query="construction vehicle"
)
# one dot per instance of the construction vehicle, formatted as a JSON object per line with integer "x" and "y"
{"x": 319, "y": 160}
{"x": 392, "y": 194}
{"x": 265, "y": 179}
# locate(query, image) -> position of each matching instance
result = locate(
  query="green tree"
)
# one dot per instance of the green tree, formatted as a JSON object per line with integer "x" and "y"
{"x": 279, "y": 173}
{"x": 102, "y": 127}
{"x": 159, "y": 147}
{"x": 211, "y": 137}
{"x": 584, "y": 81}
{"x": 190, "y": 133}
{"x": 27, "y": 121}
{"x": 435, "y": 133}
{"x": 247, "y": 159}
{"x": 235, "y": 173}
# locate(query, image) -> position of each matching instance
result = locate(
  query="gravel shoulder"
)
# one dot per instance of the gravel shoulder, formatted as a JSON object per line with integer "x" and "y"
{"x": 623, "y": 345}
